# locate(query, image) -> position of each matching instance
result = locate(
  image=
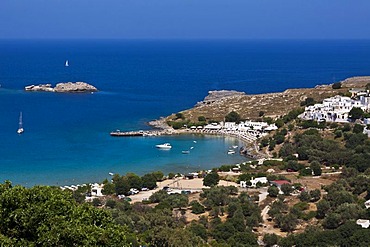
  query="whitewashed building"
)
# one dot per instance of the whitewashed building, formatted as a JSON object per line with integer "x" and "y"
{"x": 213, "y": 126}
{"x": 335, "y": 109}
{"x": 254, "y": 181}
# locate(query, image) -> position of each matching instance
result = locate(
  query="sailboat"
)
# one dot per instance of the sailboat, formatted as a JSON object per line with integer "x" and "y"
{"x": 20, "y": 129}
{"x": 66, "y": 64}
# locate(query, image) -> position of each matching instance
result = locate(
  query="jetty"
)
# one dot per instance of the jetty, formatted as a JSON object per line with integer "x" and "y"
{"x": 119, "y": 133}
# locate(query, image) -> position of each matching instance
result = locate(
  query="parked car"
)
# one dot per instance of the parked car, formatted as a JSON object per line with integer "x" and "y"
{"x": 133, "y": 191}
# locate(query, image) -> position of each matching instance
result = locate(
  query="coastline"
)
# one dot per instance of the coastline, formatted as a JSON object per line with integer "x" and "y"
{"x": 250, "y": 149}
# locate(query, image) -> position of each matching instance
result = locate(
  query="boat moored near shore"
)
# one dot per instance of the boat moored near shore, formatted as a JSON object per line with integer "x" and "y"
{"x": 164, "y": 146}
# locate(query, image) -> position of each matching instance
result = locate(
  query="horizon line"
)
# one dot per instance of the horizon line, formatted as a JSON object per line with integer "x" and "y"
{"x": 188, "y": 39}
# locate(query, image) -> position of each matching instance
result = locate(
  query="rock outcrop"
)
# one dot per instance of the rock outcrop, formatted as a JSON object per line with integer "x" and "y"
{"x": 67, "y": 87}
{"x": 214, "y": 96}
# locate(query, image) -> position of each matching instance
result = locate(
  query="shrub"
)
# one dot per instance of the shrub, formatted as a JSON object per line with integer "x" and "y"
{"x": 197, "y": 208}
{"x": 179, "y": 115}
{"x": 336, "y": 85}
{"x": 270, "y": 239}
{"x": 306, "y": 172}
{"x": 316, "y": 168}
{"x": 304, "y": 196}
{"x": 211, "y": 179}
{"x": 202, "y": 119}
{"x": 273, "y": 191}
{"x": 338, "y": 133}
{"x": 286, "y": 189}
{"x": 358, "y": 128}
{"x": 233, "y": 117}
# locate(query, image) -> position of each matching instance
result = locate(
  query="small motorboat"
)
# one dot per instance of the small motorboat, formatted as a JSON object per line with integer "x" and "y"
{"x": 164, "y": 146}
{"x": 20, "y": 129}
{"x": 186, "y": 152}
{"x": 231, "y": 151}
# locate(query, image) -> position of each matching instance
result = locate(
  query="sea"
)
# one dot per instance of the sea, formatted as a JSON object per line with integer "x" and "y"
{"x": 66, "y": 139}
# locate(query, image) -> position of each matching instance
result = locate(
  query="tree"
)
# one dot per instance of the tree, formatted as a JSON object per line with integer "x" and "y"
{"x": 338, "y": 133}
{"x": 288, "y": 222}
{"x": 279, "y": 139}
{"x": 279, "y": 123}
{"x": 315, "y": 195}
{"x": 305, "y": 172}
{"x": 316, "y": 168}
{"x": 158, "y": 196}
{"x": 108, "y": 188}
{"x": 323, "y": 207}
{"x": 358, "y": 128}
{"x": 48, "y": 216}
{"x": 121, "y": 185}
{"x": 355, "y": 113}
{"x": 273, "y": 191}
{"x": 211, "y": 179}
{"x": 110, "y": 203}
{"x": 223, "y": 231}
{"x": 149, "y": 181}
{"x": 202, "y": 119}
{"x": 177, "y": 200}
{"x": 261, "y": 113}
{"x": 179, "y": 115}
{"x": 336, "y": 85}
{"x": 134, "y": 181}
{"x": 158, "y": 175}
{"x": 96, "y": 202}
{"x": 287, "y": 189}
{"x": 308, "y": 101}
{"x": 304, "y": 196}
{"x": 233, "y": 117}
{"x": 199, "y": 230}
{"x": 197, "y": 208}
{"x": 243, "y": 239}
{"x": 332, "y": 221}
{"x": 270, "y": 239}
{"x": 287, "y": 149}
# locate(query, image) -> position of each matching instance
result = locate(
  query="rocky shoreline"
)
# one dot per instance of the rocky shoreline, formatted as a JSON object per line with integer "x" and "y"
{"x": 63, "y": 87}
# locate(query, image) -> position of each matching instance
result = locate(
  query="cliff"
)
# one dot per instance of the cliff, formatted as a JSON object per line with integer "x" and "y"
{"x": 67, "y": 87}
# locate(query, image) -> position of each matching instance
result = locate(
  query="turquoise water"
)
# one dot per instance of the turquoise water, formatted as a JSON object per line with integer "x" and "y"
{"x": 66, "y": 137}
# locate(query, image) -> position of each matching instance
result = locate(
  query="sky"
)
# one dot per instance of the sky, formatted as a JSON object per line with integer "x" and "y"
{"x": 184, "y": 19}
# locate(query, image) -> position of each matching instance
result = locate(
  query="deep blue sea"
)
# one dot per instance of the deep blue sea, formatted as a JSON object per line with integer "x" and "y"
{"x": 66, "y": 139}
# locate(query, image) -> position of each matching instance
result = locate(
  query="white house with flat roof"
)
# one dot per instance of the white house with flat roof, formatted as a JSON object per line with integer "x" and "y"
{"x": 254, "y": 181}
{"x": 334, "y": 109}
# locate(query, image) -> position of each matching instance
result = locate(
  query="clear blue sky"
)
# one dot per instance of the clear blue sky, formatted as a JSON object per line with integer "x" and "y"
{"x": 204, "y": 19}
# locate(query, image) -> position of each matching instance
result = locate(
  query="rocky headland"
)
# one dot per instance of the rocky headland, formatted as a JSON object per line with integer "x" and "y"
{"x": 63, "y": 87}
{"x": 217, "y": 104}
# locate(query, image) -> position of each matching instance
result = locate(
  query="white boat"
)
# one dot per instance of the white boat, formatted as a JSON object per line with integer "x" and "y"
{"x": 231, "y": 151}
{"x": 186, "y": 152}
{"x": 164, "y": 146}
{"x": 20, "y": 129}
{"x": 66, "y": 64}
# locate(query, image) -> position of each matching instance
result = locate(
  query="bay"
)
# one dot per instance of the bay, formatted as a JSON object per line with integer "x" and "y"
{"x": 66, "y": 137}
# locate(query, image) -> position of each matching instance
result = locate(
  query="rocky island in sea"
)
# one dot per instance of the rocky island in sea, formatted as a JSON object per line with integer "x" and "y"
{"x": 63, "y": 87}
